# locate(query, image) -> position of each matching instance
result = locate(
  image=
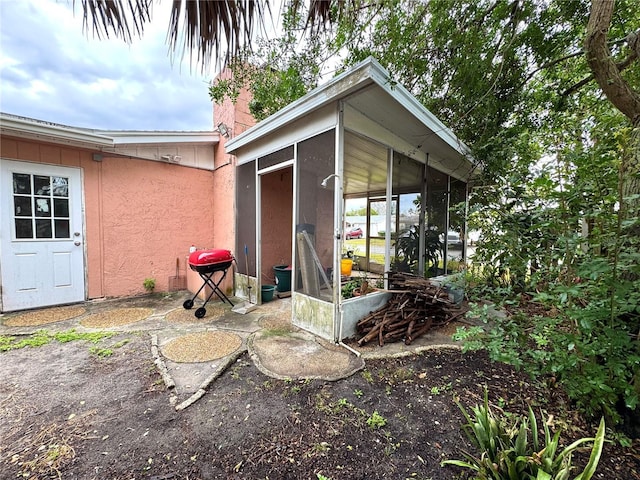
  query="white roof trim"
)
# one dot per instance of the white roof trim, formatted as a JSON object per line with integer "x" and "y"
{"x": 40, "y": 130}
{"x": 366, "y": 72}
{"x": 25, "y": 127}
{"x": 130, "y": 137}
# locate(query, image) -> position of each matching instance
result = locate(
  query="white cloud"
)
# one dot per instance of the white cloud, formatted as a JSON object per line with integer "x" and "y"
{"x": 51, "y": 70}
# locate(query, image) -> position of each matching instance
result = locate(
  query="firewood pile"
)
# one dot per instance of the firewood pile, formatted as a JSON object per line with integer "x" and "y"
{"x": 416, "y": 307}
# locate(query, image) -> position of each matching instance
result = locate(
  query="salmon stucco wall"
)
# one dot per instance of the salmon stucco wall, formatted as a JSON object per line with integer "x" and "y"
{"x": 151, "y": 214}
{"x": 139, "y": 215}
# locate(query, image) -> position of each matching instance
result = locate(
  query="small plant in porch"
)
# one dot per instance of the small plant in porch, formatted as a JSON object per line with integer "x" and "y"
{"x": 349, "y": 287}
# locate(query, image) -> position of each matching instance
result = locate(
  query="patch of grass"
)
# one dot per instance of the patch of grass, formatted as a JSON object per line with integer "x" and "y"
{"x": 366, "y": 374}
{"x": 318, "y": 449}
{"x": 72, "y": 336}
{"x": 376, "y": 421}
{"x": 401, "y": 375}
{"x": 43, "y": 337}
{"x": 49, "y": 451}
{"x": 101, "y": 352}
{"x": 276, "y": 332}
{"x": 438, "y": 389}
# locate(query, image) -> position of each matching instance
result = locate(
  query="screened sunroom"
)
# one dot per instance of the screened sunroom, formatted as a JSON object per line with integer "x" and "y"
{"x": 352, "y": 181}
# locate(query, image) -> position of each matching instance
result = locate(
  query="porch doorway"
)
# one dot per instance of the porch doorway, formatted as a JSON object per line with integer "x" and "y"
{"x": 276, "y": 220}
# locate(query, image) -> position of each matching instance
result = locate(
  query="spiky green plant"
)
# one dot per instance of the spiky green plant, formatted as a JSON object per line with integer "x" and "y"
{"x": 506, "y": 453}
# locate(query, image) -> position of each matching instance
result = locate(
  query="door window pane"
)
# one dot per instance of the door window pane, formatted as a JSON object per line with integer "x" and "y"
{"x": 21, "y": 183}
{"x": 62, "y": 228}
{"x": 60, "y": 186}
{"x": 24, "y": 228}
{"x": 42, "y": 185}
{"x": 43, "y": 229}
{"x": 43, "y": 207}
{"x": 61, "y": 207}
{"x": 22, "y": 206}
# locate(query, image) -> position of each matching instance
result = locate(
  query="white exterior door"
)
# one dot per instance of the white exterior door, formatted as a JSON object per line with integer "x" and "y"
{"x": 41, "y": 235}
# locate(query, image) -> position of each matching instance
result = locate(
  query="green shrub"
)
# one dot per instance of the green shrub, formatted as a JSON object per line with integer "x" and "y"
{"x": 516, "y": 450}
{"x": 595, "y": 362}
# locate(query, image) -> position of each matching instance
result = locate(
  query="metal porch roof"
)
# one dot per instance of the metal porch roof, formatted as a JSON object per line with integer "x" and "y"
{"x": 380, "y": 109}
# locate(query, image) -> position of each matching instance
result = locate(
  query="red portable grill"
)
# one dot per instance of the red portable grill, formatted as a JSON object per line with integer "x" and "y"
{"x": 207, "y": 263}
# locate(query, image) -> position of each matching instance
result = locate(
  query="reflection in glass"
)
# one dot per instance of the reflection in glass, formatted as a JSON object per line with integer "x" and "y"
{"x": 21, "y": 183}
{"x": 41, "y": 185}
{"x": 62, "y": 228}
{"x": 24, "y": 228}
{"x": 43, "y": 229}
{"x": 60, "y": 186}
{"x": 456, "y": 244}
{"x": 43, "y": 207}
{"x": 22, "y": 206}
{"x": 436, "y": 221}
{"x": 61, "y": 207}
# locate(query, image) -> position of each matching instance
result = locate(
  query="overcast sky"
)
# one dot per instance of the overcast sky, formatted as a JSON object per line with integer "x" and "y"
{"x": 51, "y": 70}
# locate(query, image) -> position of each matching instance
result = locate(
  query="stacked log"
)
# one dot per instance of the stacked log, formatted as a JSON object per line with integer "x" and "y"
{"x": 416, "y": 307}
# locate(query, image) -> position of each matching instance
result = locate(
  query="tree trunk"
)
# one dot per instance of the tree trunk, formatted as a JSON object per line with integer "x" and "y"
{"x": 619, "y": 93}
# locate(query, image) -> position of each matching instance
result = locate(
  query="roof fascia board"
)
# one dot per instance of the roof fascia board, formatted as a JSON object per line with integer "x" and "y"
{"x": 162, "y": 138}
{"x": 336, "y": 88}
{"x": 367, "y": 71}
{"x": 411, "y": 103}
{"x": 28, "y": 128}
{"x": 316, "y": 122}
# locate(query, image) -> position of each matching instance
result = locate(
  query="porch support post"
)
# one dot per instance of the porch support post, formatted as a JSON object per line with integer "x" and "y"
{"x": 389, "y": 201}
{"x": 445, "y": 260}
{"x": 422, "y": 219}
{"x": 337, "y": 223}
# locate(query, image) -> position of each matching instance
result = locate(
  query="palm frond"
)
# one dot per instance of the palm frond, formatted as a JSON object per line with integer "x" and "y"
{"x": 209, "y": 27}
{"x": 122, "y": 18}
{"x": 217, "y": 29}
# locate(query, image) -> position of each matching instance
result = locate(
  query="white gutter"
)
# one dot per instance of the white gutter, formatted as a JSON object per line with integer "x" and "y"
{"x": 104, "y": 140}
{"x": 130, "y": 137}
{"x": 358, "y": 76}
{"x": 34, "y": 129}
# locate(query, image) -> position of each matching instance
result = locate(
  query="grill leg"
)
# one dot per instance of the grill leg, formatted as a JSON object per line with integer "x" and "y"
{"x": 215, "y": 286}
{"x": 188, "y": 304}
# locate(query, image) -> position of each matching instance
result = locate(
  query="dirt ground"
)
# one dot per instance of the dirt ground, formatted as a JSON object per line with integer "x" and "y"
{"x": 66, "y": 412}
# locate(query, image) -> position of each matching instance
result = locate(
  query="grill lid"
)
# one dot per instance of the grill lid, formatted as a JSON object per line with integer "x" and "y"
{"x": 212, "y": 256}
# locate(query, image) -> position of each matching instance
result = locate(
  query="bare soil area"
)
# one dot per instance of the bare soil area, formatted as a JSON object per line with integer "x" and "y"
{"x": 68, "y": 413}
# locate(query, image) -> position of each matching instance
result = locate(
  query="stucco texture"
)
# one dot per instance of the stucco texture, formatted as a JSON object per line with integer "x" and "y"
{"x": 139, "y": 215}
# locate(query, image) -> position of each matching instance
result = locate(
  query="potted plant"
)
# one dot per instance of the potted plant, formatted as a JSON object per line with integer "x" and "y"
{"x": 349, "y": 287}
{"x": 408, "y": 246}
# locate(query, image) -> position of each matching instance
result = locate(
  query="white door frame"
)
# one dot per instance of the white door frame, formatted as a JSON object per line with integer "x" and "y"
{"x": 37, "y": 272}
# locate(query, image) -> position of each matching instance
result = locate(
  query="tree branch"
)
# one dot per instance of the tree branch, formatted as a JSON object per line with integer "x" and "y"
{"x": 604, "y": 69}
{"x": 621, "y": 66}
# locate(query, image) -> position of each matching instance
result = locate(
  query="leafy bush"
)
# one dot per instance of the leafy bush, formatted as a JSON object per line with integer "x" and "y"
{"x": 506, "y": 453}
{"x": 596, "y": 363}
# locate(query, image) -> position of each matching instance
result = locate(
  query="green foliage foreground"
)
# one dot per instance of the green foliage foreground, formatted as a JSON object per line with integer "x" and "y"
{"x": 515, "y": 450}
